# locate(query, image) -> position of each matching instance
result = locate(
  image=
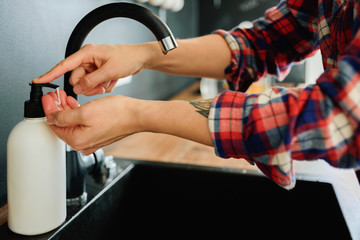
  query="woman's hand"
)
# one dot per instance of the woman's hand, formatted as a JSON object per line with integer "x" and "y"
{"x": 105, "y": 120}
{"x": 93, "y": 125}
{"x": 96, "y": 68}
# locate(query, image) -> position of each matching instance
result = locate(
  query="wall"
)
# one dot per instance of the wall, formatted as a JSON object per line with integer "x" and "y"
{"x": 217, "y": 14}
{"x": 33, "y": 37}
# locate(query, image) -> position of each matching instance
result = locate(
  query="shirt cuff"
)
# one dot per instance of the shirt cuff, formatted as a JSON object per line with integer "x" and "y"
{"x": 226, "y": 119}
{"x": 225, "y": 123}
{"x": 238, "y": 76}
{"x": 233, "y": 69}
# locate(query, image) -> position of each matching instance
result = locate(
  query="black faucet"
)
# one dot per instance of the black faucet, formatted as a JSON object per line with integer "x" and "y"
{"x": 78, "y": 166}
{"x": 128, "y": 10}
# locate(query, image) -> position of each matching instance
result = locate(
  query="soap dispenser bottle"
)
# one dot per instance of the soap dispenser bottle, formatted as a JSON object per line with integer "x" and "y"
{"x": 36, "y": 177}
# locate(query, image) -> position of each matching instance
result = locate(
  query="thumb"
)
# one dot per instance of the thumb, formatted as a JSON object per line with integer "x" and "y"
{"x": 64, "y": 118}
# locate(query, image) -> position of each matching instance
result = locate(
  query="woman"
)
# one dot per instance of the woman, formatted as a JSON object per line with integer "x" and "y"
{"x": 270, "y": 129}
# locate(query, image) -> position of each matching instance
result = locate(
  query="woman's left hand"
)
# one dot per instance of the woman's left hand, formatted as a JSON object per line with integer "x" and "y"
{"x": 93, "y": 125}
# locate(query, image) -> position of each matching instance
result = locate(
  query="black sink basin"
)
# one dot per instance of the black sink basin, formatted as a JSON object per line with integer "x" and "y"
{"x": 171, "y": 201}
{"x": 180, "y": 201}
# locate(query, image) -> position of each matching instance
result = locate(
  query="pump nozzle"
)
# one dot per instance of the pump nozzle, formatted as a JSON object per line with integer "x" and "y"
{"x": 33, "y": 107}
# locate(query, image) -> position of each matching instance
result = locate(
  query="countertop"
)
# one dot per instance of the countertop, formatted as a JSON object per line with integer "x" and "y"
{"x": 94, "y": 190}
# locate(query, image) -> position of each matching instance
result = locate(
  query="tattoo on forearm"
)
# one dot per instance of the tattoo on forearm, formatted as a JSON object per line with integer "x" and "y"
{"x": 202, "y": 106}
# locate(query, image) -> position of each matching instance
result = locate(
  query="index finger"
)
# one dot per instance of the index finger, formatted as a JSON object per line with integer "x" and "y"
{"x": 66, "y": 65}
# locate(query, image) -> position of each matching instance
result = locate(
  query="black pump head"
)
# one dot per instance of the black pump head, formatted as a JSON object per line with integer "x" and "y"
{"x": 33, "y": 108}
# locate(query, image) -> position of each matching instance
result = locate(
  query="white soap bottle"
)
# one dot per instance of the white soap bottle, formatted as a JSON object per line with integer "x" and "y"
{"x": 36, "y": 176}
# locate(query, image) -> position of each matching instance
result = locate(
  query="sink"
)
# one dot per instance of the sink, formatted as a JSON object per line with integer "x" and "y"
{"x": 174, "y": 200}
{"x": 181, "y": 201}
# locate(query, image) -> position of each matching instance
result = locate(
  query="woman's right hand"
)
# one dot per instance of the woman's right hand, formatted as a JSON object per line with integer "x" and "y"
{"x": 96, "y": 68}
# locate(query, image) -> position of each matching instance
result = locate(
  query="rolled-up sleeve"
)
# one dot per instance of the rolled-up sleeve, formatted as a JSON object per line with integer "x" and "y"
{"x": 273, "y": 128}
{"x": 272, "y": 44}
{"x": 282, "y": 124}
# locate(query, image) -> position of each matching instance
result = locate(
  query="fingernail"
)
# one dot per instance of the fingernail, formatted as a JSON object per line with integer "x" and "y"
{"x": 35, "y": 80}
{"x": 77, "y": 89}
{"x": 50, "y": 120}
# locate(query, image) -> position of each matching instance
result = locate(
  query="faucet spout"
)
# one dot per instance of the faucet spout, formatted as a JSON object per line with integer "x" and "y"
{"x": 128, "y": 10}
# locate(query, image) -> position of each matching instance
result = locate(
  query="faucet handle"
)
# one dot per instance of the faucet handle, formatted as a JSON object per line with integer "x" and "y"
{"x": 108, "y": 170}
{"x": 105, "y": 169}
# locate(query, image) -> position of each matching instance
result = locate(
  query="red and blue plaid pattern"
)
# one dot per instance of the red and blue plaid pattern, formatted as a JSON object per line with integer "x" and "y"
{"x": 279, "y": 125}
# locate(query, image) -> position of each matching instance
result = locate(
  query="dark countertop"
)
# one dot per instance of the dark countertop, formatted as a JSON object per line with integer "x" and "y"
{"x": 93, "y": 190}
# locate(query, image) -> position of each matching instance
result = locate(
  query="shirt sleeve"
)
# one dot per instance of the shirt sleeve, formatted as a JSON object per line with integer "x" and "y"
{"x": 279, "y": 125}
{"x": 271, "y": 129}
{"x": 287, "y": 34}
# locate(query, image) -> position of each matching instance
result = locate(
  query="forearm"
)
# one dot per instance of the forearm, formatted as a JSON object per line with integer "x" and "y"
{"x": 205, "y": 56}
{"x": 178, "y": 118}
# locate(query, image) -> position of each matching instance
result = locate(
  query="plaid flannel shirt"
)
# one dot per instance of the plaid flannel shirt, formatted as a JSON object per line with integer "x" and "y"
{"x": 320, "y": 121}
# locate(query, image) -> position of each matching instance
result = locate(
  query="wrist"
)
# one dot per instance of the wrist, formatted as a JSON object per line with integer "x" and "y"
{"x": 134, "y": 114}
{"x": 143, "y": 114}
{"x": 178, "y": 118}
{"x": 152, "y": 55}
